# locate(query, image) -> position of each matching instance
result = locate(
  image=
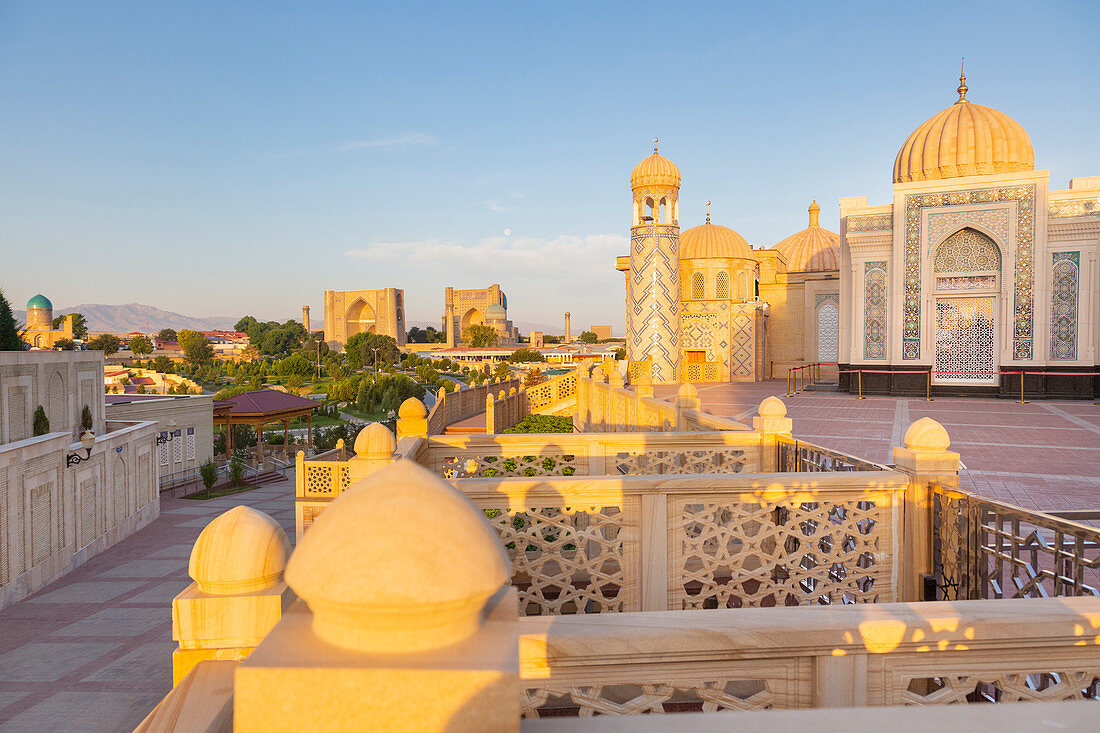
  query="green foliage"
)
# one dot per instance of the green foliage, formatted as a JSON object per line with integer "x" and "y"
{"x": 361, "y": 349}
{"x": 620, "y": 353}
{"x": 9, "y": 327}
{"x": 167, "y": 334}
{"x": 41, "y": 422}
{"x": 294, "y": 364}
{"x": 209, "y": 473}
{"x": 162, "y": 364}
{"x": 533, "y": 377}
{"x": 502, "y": 371}
{"x": 141, "y": 345}
{"x": 64, "y": 344}
{"x": 86, "y": 418}
{"x": 196, "y": 347}
{"x": 551, "y": 339}
{"x": 273, "y": 338}
{"x": 543, "y": 424}
{"x": 235, "y": 470}
{"x": 479, "y": 335}
{"x": 233, "y": 391}
{"x": 426, "y": 336}
{"x": 325, "y": 438}
{"x": 80, "y": 325}
{"x": 522, "y": 356}
{"x": 294, "y": 383}
{"x": 587, "y": 337}
{"x": 108, "y": 343}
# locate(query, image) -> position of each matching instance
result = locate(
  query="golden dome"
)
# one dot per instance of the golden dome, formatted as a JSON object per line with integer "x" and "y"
{"x": 813, "y": 249}
{"x": 966, "y": 139}
{"x": 656, "y": 170}
{"x": 240, "y": 551}
{"x": 712, "y": 240}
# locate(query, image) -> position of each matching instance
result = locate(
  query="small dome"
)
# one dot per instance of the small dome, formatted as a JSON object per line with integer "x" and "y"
{"x": 966, "y": 139}
{"x": 772, "y": 407}
{"x": 375, "y": 440}
{"x": 813, "y": 249}
{"x": 495, "y": 312}
{"x": 926, "y": 435}
{"x": 412, "y": 409}
{"x": 712, "y": 240}
{"x": 39, "y": 301}
{"x": 377, "y": 581}
{"x": 656, "y": 170}
{"x": 240, "y": 551}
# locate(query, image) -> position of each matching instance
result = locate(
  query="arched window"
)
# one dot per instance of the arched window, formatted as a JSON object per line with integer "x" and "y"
{"x": 697, "y": 286}
{"x": 663, "y": 217}
{"x": 967, "y": 250}
{"x": 722, "y": 285}
{"x": 648, "y": 211}
{"x": 742, "y": 286}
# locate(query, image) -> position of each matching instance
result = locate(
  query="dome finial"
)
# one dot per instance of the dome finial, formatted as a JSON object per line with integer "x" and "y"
{"x": 815, "y": 213}
{"x": 708, "y": 212}
{"x": 655, "y": 139}
{"x": 962, "y": 82}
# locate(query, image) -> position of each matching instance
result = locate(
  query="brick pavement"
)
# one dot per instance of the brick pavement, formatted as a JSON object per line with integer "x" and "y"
{"x": 92, "y": 651}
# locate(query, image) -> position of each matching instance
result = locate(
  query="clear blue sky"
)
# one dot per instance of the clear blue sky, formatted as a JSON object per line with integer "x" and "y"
{"x": 226, "y": 158}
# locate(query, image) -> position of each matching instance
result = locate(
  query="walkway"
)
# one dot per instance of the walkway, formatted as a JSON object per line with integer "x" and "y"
{"x": 93, "y": 651}
{"x": 1042, "y": 455}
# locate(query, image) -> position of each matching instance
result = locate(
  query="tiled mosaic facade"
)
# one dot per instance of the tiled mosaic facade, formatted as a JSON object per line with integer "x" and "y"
{"x": 743, "y": 338}
{"x": 1064, "y": 296}
{"x": 1074, "y": 207}
{"x": 1023, "y": 291}
{"x": 967, "y": 282}
{"x": 874, "y": 310}
{"x": 653, "y": 324}
{"x": 870, "y": 223}
{"x": 967, "y": 250}
{"x": 992, "y": 220}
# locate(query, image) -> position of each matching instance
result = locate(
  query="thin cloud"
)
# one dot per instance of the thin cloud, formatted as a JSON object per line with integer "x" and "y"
{"x": 401, "y": 142}
{"x": 495, "y": 205}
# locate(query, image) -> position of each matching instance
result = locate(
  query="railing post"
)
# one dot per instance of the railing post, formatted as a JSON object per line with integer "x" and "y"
{"x": 412, "y": 419}
{"x": 653, "y": 548}
{"x": 490, "y": 414}
{"x": 926, "y": 460}
{"x": 582, "y": 411}
{"x": 772, "y": 423}
{"x": 374, "y": 450}
{"x": 644, "y": 384}
{"x": 340, "y": 447}
{"x": 687, "y": 398}
{"x": 300, "y": 474}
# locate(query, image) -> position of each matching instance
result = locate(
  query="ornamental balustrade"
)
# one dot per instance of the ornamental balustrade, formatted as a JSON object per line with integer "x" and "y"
{"x": 452, "y": 407}
{"x": 504, "y": 410}
{"x": 603, "y": 407}
{"x": 702, "y": 371}
{"x": 552, "y": 395}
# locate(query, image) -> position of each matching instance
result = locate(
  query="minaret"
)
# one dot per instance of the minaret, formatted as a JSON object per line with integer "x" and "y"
{"x": 568, "y": 334}
{"x": 305, "y": 319}
{"x": 653, "y": 284}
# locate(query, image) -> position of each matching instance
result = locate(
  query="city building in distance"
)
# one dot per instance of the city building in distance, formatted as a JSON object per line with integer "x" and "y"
{"x": 348, "y": 312}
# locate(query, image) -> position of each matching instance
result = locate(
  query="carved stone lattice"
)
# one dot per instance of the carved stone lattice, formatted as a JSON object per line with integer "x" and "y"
{"x": 965, "y": 330}
{"x": 566, "y": 560}
{"x": 728, "y": 460}
{"x": 705, "y": 695}
{"x": 730, "y": 554}
{"x": 475, "y": 466}
{"x": 828, "y": 332}
{"x": 320, "y": 479}
{"x": 1081, "y": 684}
{"x": 967, "y": 251}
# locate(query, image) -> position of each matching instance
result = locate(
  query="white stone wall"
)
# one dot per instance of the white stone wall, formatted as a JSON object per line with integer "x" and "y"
{"x": 62, "y": 382}
{"x": 192, "y": 438}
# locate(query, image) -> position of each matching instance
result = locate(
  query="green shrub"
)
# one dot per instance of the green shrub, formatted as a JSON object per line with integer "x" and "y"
{"x": 543, "y": 424}
{"x": 41, "y": 422}
{"x": 235, "y": 470}
{"x": 209, "y": 473}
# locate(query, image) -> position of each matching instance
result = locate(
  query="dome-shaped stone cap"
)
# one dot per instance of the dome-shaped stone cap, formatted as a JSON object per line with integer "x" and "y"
{"x": 687, "y": 390}
{"x": 814, "y": 249}
{"x": 926, "y": 435}
{"x": 375, "y": 440}
{"x": 656, "y": 170}
{"x": 240, "y": 551}
{"x": 772, "y": 407}
{"x": 713, "y": 240}
{"x": 412, "y": 409}
{"x": 39, "y": 301}
{"x": 966, "y": 139}
{"x": 396, "y": 549}
{"x": 495, "y": 311}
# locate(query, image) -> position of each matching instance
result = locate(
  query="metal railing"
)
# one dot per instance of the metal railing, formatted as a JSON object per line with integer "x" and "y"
{"x": 796, "y": 456}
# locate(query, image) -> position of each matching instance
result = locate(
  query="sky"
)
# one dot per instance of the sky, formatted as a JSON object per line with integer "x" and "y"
{"x": 218, "y": 159}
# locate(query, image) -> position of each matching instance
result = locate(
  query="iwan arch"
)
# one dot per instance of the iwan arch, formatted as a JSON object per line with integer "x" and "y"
{"x": 348, "y": 312}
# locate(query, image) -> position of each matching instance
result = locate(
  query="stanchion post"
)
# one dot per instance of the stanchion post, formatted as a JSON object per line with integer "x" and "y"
{"x": 859, "y": 375}
{"x": 928, "y": 387}
{"x": 788, "y": 382}
{"x": 1021, "y": 401}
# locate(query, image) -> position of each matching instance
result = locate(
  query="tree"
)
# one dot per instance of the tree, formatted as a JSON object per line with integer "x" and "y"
{"x": 361, "y": 348}
{"x": 141, "y": 345}
{"x": 502, "y": 371}
{"x": 620, "y": 353}
{"x": 533, "y": 377}
{"x": 167, "y": 334}
{"x": 294, "y": 365}
{"x": 108, "y": 343}
{"x": 86, "y": 418}
{"x": 521, "y": 356}
{"x": 480, "y": 335}
{"x": 80, "y": 325}
{"x": 294, "y": 383}
{"x": 196, "y": 347}
{"x": 9, "y": 327}
{"x": 587, "y": 337}
{"x": 41, "y": 422}
{"x": 162, "y": 364}
{"x": 64, "y": 344}
{"x": 209, "y": 473}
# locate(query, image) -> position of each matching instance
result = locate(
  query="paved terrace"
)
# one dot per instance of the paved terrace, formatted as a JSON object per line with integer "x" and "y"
{"x": 1041, "y": 455}
{"x": 92, "y": 652}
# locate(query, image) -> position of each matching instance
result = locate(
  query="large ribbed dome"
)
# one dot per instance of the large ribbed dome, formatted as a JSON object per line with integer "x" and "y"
{"x": 813, "y": 249}
{"x": 656, "y": 170}
{"x": 966, "y": 139}
{"x": 712, "y": 240}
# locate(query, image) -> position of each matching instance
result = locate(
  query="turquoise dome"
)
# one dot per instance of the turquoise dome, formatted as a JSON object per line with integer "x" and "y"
{"x": 39, "y": 301}
{"x": 495, "y": 311}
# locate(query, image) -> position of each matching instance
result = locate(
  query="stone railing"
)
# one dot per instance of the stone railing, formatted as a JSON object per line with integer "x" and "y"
{"x": 703, "y": 371}
{"x": 452, "y": 407}
{"x": 608, "y": 407}
{"x": 548, "y": 395}
{"x": 823, "y": 657}
{"x": 505, "y": 410}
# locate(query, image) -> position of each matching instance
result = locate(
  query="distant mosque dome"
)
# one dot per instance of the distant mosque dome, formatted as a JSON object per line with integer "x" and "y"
{"x": 656, "y": 170}
{"x": 813, "y": 249}
{"x": 495, "y": 312}
{"x": 966, "y": 139}
{"x": 712, "y": 240}
{"x": 40, "y": 301}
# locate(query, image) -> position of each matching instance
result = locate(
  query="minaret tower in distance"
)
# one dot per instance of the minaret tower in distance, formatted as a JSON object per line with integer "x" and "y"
{"x": 653, "y": 285}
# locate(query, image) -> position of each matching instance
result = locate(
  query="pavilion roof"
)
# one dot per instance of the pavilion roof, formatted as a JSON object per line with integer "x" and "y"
{"x": 265, "y": 402}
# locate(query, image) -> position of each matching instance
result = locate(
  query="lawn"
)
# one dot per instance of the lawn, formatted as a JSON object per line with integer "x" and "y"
{"x": 224, "y": 491}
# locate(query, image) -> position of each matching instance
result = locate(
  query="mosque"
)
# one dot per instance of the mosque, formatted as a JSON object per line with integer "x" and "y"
{"x": 703, "y": 306}
{"x": 976, "y": 271}
{"x": 40, "y": 333}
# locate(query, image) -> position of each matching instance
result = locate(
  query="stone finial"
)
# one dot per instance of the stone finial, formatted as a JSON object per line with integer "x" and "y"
{"x": 375, "y": 441}
{"x": 926, "y": 436}
{"x": 597, "y": 375}
{"x": 687, "y": 396}
{"x": 772, "y": 407}
{"x": 240, "y": 551}
{"x": 412, "y": 409}
{"x": 379, "y": 585}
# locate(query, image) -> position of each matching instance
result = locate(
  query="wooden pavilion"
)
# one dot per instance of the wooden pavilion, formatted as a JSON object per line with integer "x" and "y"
{"x": 260, "y": 408}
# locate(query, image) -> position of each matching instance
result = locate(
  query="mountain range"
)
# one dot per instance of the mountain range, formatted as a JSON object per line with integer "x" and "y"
{"x": 137, "y": 317}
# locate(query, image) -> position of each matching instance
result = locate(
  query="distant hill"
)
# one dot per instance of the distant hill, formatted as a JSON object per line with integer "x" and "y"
{"x": 137, "y": 317}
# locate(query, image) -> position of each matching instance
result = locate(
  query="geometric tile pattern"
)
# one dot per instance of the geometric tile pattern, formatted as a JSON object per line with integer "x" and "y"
{"x": 652, "y": 307}
{"x": 965, "y": 340}
{"x": 1023, "y": 286}
{"x": 828, "y": 332}
{"x": 1074, "y": 207}
{"x": 870, "y": 223}
{"x": 992, "y": 220}
{"x": 1065, "y": 285}
{"x": 967, "y": 250}
{"x": 743, "y": 351}
{"x": 874, "y": 310}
